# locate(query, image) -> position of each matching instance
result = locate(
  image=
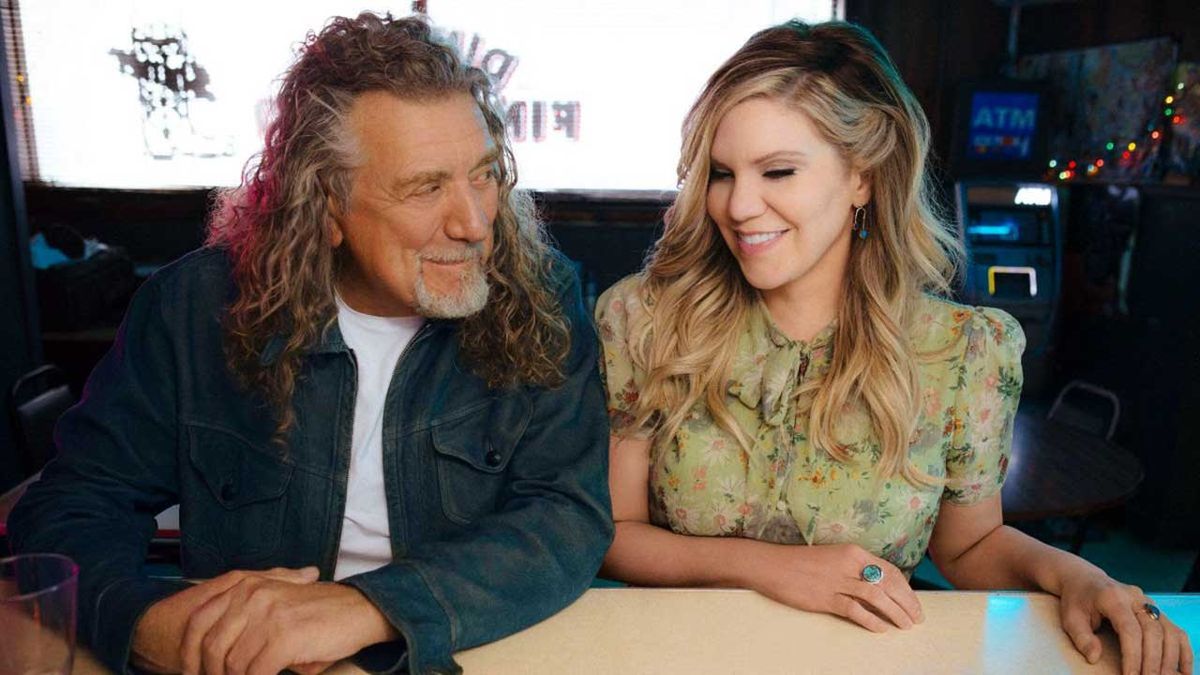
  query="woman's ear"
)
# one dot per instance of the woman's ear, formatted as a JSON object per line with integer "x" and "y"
{"x": 860, "y": 185}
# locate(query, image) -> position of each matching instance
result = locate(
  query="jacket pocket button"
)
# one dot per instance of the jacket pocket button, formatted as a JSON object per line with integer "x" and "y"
{"x": 492, "y": 458}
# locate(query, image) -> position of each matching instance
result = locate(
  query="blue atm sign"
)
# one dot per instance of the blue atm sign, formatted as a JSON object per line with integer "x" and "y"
{"x": 1003, "y": 125}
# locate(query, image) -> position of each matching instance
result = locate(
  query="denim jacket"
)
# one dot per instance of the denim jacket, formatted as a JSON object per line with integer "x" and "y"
{"x": 497, "y": 500}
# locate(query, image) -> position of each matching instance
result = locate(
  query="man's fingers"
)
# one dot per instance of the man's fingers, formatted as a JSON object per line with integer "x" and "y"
{"x": 243, "y": 652}
{"x": 1078, "y": 626}
{"x": 310, "y": 668}
{"x": 198, "y": 626}
{"x": 217, "y": 585}
{"x": 303, "y": 575}
{"x": 215, "y": 645}
{"x": 270, "y": 660}
{"x": 210, "y": 588}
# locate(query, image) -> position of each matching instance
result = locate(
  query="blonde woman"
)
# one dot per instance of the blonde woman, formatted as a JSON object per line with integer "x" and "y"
{"x": 787, "y": 369}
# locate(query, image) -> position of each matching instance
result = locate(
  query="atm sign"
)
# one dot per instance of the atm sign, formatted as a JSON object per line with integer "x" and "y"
{"x": 1003, "y": 125}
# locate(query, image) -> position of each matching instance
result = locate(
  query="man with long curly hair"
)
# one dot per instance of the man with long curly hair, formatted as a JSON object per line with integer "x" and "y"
{"x": 373, "y": 394}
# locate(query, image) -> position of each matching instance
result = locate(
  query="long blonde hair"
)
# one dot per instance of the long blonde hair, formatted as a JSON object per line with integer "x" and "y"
{"x": 275, "y": 225}
{"x": 841, "y": 78}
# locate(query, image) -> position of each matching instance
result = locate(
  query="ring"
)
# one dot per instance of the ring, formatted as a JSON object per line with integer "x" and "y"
{"x": 1153, "y": 611}
{"x": 873, "y": 574}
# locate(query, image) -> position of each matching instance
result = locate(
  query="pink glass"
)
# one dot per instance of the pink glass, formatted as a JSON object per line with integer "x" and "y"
{"x": 37, "y": 614}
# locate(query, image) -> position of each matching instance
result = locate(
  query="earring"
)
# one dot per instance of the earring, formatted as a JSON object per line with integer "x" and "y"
{"x": 860, "y": 221}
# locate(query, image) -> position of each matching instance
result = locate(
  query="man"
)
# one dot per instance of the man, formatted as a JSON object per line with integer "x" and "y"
{"x": 373, "y": 394}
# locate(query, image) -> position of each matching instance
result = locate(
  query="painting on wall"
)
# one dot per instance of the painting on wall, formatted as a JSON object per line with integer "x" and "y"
{"x": 1183, "y": 156}
{"x": 1105, "y": 106}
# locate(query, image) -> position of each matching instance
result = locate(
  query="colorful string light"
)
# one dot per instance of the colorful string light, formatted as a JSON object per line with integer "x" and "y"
{"x": 1153, "y": 130}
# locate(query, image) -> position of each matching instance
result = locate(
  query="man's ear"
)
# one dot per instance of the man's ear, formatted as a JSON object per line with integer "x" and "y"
{"x": 334, "y": 223}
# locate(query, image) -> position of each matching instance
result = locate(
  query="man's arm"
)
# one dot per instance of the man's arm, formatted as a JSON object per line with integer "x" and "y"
{"x": 115, "y": 469}
{"x": 538, "y": 552}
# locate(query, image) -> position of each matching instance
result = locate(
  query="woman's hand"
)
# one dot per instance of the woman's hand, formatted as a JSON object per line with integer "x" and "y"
{"x": 1148, "y": 646}
{"x": 828, "y": 578}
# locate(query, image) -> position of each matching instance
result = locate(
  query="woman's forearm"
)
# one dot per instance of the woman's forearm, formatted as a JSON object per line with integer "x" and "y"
{"x": 647, "y": 555}
{"x": 1009, "y": 559}
{"x": 813, "y": 578}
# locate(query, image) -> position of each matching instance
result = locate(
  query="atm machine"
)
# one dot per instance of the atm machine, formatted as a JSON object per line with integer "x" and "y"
{"x": 1012, "y": 233}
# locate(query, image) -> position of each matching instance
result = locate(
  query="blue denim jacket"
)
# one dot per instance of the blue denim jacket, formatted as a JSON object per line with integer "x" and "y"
{"x": 497, "y": 500}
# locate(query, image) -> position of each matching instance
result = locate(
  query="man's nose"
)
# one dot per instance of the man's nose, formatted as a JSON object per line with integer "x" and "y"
{"x": 471, "y": 213}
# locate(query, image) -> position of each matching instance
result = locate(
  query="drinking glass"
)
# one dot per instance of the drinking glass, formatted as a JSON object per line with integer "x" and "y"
{"x": 37, "y": 614}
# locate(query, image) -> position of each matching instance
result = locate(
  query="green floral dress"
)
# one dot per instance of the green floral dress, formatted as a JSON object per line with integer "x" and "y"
{"x": 784, "y": 490}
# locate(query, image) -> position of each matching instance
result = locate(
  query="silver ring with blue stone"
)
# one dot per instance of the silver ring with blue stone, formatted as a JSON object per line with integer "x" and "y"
{"x": 872, "y": 574}
{"x": 1153, "y": 611}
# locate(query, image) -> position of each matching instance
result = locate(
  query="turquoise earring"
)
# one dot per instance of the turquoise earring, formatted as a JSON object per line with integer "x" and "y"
{"x": 859, "y": 222}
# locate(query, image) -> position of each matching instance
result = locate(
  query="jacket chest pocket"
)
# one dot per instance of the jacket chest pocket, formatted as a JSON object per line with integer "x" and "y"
{"x": 236, "y": 504}
{"x": 473, "y": 448}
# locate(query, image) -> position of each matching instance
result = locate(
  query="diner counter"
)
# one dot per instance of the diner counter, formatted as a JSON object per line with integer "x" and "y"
{"x": 630, "y": 631}
{"x": 733, "y": 631}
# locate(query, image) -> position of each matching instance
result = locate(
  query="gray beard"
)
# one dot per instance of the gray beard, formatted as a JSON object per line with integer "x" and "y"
{"x": 471, "y": 297}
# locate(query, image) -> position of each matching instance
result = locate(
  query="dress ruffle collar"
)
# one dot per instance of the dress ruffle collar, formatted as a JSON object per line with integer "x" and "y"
{"x": 769, "y": 365}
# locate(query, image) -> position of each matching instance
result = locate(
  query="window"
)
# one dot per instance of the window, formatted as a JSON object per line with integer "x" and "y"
{"x": 165, "y": 94}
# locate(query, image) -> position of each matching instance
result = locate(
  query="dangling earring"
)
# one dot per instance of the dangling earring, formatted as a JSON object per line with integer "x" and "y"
{"x": 859, "y": 221}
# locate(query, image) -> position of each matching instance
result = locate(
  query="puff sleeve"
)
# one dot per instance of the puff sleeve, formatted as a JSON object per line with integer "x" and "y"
{"x": 616, "y": 309}
{"x": 987, "y": 390}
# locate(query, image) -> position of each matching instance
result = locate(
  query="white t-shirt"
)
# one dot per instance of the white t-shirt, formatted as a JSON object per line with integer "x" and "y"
{"x": 377, "y": 342}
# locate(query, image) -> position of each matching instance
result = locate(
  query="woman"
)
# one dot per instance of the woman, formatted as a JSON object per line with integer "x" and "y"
{"x": 787, "y": 370}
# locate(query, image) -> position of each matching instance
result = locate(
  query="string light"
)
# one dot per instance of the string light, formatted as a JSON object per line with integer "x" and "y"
{"x": 1153, "y": 130}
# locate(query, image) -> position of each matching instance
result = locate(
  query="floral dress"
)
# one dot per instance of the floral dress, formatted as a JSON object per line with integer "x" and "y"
{"x": 786, "y": 491}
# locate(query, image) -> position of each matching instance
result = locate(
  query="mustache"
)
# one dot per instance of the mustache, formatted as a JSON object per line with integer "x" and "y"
{"x": 472, "y": 251}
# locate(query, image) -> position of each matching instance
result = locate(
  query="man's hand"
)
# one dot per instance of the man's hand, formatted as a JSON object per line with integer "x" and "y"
{"x": 159, "y": 633}
{"x": 263, "y": 624}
